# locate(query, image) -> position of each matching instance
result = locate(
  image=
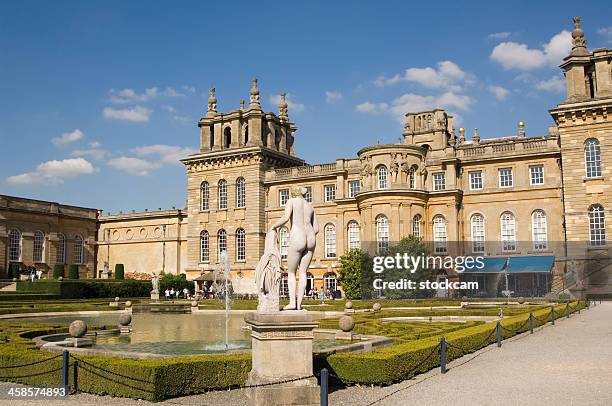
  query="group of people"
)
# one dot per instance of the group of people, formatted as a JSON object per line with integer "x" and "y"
{"x": 321, "y": 294}
{"x": 177, "y": 294}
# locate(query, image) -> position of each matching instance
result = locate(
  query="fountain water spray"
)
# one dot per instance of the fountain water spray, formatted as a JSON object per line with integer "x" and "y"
{"x": 225, "y": 268}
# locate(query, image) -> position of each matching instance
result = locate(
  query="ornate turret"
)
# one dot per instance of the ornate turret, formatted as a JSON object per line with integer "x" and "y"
{"x": 461, "y": 135}
{"x": 212, "y": 103}
{"x": 521, "y": 129}
{"x": 283, "y": 111}
{"x": 476, "y": 136}
{"x": 254, "y": 96}
{"x": 578, "y": 41}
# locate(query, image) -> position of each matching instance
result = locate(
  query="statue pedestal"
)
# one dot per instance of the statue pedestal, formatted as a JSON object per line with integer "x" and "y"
{"x": 155, "y": 295}
{"x": 281, "y": 351}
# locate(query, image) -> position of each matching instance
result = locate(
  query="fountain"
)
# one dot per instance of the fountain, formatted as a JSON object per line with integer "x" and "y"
{"x": 504, "y": 271}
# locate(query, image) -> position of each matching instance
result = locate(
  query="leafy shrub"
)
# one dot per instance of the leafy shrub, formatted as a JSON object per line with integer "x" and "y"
{"x": 88, "y": 288}
{"x": 13, "y": 270}
{"x": 119, "y": 271}
{"x": 353, "y": 263}
{"x": 169, "y": 281}
{"x": 564, "y": 296}
{"x": 73, "y": 271}
{"x": 58, "y": 270}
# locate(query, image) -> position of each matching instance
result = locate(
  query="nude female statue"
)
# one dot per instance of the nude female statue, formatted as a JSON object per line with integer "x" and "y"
{"x": 302, "y": 242}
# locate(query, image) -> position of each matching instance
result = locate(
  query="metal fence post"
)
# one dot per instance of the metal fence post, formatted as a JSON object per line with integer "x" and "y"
{"x": 75, "y": 376}
{"x": 498, "y": 328}
{"x": 531, "y": 323}
{"x": 552, "y": 314}
{"x": 579, "y": 307}
{"x": 65, "y": 365}
{"x": 443, "y": 355}
{"x": 324, "y": 386}
{"x": 567, "y": 310}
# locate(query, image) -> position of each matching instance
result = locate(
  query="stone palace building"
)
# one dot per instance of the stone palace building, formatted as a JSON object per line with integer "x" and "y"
{"x": 538, "y": 206}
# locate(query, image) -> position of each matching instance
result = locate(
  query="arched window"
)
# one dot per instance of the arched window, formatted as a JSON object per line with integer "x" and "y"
{"x": 592, "y": 158}
{"x": 240, "y": 245}
{"x": 222, "y": 194}
{"x": 283, "y": 239}
{"x": 411, "y": 178}
{"x": 205, "y": 196}
{"x": 39, "y": 247}
{"x": 381, "y": 173}
{"x": 539, "y": 230}
{"x": 204, "y": 246}
{"x": 14, "y": 237}
{"x": 439, "y": 234}
{"x": 227, "y": 135}
{"x": 221, "y": 243}
{"x": 416, "y": 226}
{"x": 60, "y": 252}
{"x": 246, "y": 135}
{"x": 330, "y": 241}
{"x": 330, "y": 282}
{"x": 478, "y": 233}
{"x": 353, "y": 235}
{"x": 78, "y": 250}
{"x": 508, "y": 232}
{"x": 597, "y": 225}
{"x": 240, "y": 193}
{"x": 382, "y": 232}
{"x": 309, "y": 283}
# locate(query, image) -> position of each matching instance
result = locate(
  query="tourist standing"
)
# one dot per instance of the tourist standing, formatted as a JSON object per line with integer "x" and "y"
{"x": 167, "y": 294}
{"x": 321, "y": 295}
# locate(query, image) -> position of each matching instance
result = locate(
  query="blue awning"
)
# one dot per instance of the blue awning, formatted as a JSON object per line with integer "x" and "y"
{"x": 515, "y": 265}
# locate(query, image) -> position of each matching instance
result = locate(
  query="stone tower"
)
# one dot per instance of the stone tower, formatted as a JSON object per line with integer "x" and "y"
{"x": 226, "y": 196}
{"x": 584, "y": 122}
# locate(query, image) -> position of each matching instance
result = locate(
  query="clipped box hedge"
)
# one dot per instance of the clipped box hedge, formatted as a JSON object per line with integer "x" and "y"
{"x": 87, "y": 288}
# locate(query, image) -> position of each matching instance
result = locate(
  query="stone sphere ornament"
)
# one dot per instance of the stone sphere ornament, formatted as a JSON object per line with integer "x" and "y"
{"x": 521, "y": 300}
{"x": 128, "y": 304}
{"x": 346, "y": 323}
{"x": 194, "y": 303}
{"x": 125, "y": 319}
{"x": 61, "y": 278}
{"x": 376, "y": 307}
{"x": 348, "y": 305}
{"x": 77, "y": 328}
{"x": 117, "y": 299}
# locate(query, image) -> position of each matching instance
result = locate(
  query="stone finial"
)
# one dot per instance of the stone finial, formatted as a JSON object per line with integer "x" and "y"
{"x": 254, "y": 96}
{"x": 452, "y": 140}
{"x": 521, "y": 129}
{"x": 461, "y": 135}
{"x": 212, "y": 101}
{"x": 476, "y": 136}
{"x": 241, "y": 104}
{"x": 578, "y": 41}
{"x": 283, "y": 110}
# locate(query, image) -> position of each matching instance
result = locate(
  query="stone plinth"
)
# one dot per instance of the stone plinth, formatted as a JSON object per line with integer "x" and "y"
{"x": 155, "y": 295}
{"x": 281, "y": 351}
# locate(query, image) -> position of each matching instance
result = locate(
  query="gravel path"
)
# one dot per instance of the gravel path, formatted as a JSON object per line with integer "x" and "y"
{"x": 566, "y": 364}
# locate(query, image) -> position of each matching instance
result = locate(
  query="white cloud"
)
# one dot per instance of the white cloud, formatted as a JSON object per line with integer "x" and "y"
{"x": 134, "y": 166}
{"x": 554, "y": 84}
{"x": 168, "y": 154}
{"x": 512, "y": 55}
{"x": 606, "y": 32}
{"x": 95, "y": 151}
{"x": 137, "y": 114}
{"x": 169, "y": 109}
{"x": 53, "y": 172}
{"x": 499, "y": 92}
{"x": 67, "y": 138}
{"x": 446, "y": 74}
{"x": 291, "y": 103}
{"x": 332, "y": 96}
{"x": 129, "y": 95}
{"x": 499, "y": 35}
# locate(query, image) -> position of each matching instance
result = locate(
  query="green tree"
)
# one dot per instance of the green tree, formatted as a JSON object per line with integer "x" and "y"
{"x": 178, "y": 282}
{"x": 58, "y": 270}
{"x": 352, "y": 266}
{"x": 119, "y": 271}
{"x": 73, "y": 271}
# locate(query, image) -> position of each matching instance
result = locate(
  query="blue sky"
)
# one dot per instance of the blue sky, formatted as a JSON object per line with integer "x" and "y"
{"x": 98, "y": 100}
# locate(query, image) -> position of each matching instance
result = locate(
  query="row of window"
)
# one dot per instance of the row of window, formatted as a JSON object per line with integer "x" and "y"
{"x": 15, "y": 244}
{"x": 222, "y": 245}
{"x": 222, "y": 194}
{"x": 330, "y": 282}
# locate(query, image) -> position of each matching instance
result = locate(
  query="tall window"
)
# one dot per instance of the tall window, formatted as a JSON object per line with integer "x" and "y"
{"x": 382, "y": 232}
{"x": 505, "y": 177}
{"x": 308, "y": 195}
{"x": 478, "y": 233}
{"x": 227, "y": 142}
{"x": 439, "y": 234}
{"x": 78, "y": 250}
{"x": 416, "y": 226}
{"x": 536, "y": 175}
{"x": 508, "y": 232}
{"x": 412, "y": 178}
{"x": 284, "y": 286}
{"x": 439, "y": 181}
{"x": 354, "y": 188}
{"x": 353, "y": 235}
{"x": 221, "y": 243}
{"x": 476, "y": 180}
{"x": 222, "y": 194}
{"x": 205, "y": 196}
{"x": 283, "y": 238}
{"x": 283, "y": 197}
{"x": 597, "y": 225}
{"x": 592, "y": 158}
{"x": 14, "y": 245}
{"x": 204, "y": 246}
{"x": 240, "y": 193}
{"x": 240, "y": 245}
{"x": 330, "y": 241}
{"x": 330, "y": 193}
{"x": 330, "y": 282}
{"x": 381, "y": 172}
{"x": 60, "y": 253}
{"x": 39, "y": 246}
{"x": 538, "y": 230}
